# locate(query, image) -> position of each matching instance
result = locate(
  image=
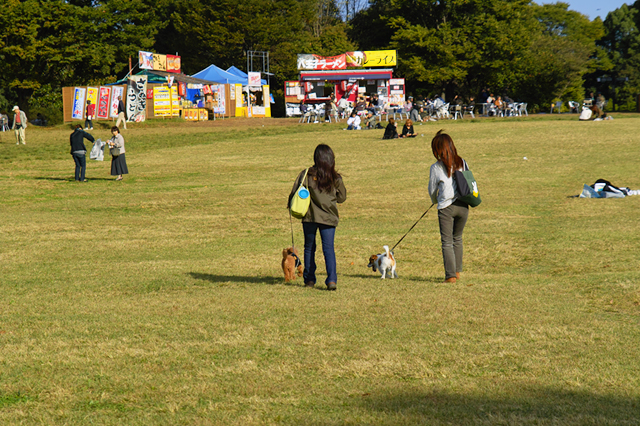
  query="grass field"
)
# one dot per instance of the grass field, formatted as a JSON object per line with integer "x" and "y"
{"x": 159, "y": 300}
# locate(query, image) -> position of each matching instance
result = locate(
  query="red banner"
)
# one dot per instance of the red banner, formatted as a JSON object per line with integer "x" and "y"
{"x": 103, "y": 103}
{"x": 315, "y": 62}
{"x": 173, "y": 63}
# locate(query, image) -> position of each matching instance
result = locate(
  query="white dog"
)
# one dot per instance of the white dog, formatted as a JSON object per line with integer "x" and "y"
{"x": 383, "y": 263}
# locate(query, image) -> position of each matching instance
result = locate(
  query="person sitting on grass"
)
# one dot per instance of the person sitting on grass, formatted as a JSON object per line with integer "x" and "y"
{"x": 407, "y": 130}
{"x": 370, "y": 121}
{"x": 391, "y": 131}
{"x": 416, "y": 113}
{"x": 353, "y": 123}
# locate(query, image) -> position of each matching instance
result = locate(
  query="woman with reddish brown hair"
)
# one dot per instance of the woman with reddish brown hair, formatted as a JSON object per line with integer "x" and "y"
{"x": 452, "y": 214}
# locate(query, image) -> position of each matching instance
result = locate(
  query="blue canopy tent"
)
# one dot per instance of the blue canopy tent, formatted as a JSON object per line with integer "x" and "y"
{"x": 239, "y": 73}
{"x": 217, "y": 75}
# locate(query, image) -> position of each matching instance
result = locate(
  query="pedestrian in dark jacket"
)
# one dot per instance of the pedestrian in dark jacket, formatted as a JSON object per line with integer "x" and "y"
{"x": 391, "y": 131}
{"x": 327, "y": 190}
{"x": 79, "y": 151}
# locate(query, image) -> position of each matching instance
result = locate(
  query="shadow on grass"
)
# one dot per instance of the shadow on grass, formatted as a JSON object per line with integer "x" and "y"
{"x": 376, "y": 275}
{"x": 530, "y": 406}
{"x": 235, "y": 278}
{"x": 70, "y": 179}
{"x": 521, "y": 406}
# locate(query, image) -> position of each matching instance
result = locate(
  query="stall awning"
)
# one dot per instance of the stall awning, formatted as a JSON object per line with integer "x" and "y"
{"x": 382, "y": 74}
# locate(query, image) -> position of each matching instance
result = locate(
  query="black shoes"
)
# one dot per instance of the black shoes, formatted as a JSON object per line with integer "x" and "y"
{"x": 309, "y": 284}
{"x": 331, "y": 286}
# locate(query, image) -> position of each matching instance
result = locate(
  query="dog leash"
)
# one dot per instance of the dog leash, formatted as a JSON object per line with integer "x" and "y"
{"x": 414, "y": 225}
{"x": 293, "y": 246}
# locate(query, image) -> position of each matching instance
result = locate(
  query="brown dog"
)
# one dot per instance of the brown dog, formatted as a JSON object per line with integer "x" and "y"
{"x": 291, "y": 262}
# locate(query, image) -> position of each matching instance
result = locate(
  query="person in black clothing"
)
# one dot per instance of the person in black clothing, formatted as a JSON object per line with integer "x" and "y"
{"x": 407, "y": 130}
{"x": 78, "y": 151}
{"x": 391, "y": 131}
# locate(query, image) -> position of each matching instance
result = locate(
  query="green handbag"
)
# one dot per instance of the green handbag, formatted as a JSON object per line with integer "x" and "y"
{"x": 467, "y": 186}
{"x": 301, "y": 200}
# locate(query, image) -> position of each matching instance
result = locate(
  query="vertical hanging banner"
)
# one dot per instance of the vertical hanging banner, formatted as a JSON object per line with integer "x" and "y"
{"x": 159, "y": 62}
{"x": 239, "y": 101}
{"x": 78, "y": 103}
{"x": 137, "y": 98}
{"x": 117, "y": 92}
{"x": 173, "y": 63}
{"x": 92, "y": 95}
{"x": 145, "y": 60}
{"x": 103, "y": 103}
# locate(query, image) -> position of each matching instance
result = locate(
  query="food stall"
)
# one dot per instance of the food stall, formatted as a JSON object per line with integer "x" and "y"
{"x": 322, "y": 76}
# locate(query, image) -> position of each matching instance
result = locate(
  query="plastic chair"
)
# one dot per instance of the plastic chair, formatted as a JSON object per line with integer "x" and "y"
{"x": 523, "y": 108}
{"x": 573, "y": 106}
{"x": 557, "y": 105}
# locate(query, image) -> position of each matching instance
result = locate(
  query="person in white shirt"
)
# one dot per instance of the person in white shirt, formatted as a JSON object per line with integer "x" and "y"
{"x": 353, "y": 123}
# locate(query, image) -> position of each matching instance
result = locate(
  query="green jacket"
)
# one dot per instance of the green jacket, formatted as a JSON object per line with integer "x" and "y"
{"x": 323, "y": 208}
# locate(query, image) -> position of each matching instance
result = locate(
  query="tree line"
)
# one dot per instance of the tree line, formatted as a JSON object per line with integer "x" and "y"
{"x": 534, "y": 53}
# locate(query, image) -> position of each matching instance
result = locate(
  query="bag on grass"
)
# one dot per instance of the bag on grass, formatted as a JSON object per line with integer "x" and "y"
{"x": 467, "y": 186}
{"x": 301, "y": 200}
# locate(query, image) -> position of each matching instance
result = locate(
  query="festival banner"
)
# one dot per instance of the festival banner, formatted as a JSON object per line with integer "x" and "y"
{"x": 113, "y": 106}
{"x": 137, "y": 98}
{"x": 219, "y": 107}
{"x": 239, "y": 100}
{"x": 92, "y": 95}
{"x": 145, "y": 60}
{"x": 372, "y": 58}
{"x": 103, "y": 103}
{"x": 265, "y": 95}
{"x": 159, "y": 62}
{"x": 254, "y": 79}
{"x": 173, "y": 63}
{"x": 316, "y": 62}
{"x": 78, "y": 103}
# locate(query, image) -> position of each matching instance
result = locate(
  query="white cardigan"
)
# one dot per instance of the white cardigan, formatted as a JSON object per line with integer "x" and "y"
{"x": 442, "y": 188}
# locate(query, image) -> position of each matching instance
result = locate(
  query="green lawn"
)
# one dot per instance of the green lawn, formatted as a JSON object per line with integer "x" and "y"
{"x": 160, "y": 300}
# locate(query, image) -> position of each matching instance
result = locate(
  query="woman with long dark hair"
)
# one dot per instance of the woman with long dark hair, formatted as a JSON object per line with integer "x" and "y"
{"x": 452, "y": 214}
{"x": 327, "y": 190}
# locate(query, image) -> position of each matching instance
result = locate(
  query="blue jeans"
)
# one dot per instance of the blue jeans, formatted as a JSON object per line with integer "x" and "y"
{"x": 327, "y": 235}
{"x": 81, "y": 165}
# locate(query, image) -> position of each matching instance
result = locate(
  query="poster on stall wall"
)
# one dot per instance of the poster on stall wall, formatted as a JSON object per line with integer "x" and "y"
{"x": 78, "y": 103}
{"x": 102, "y": 111}
{"x": 232, "y": 92}
{"x": 238, "y": 95}
{"x": 221, "y": 106}
{"x": 162, "y": 105}
{"x": 92, "y": 95}
{"x": 115, "y": 94}
{"x": 137, "y": 98}
{"x": 265, "y": 95}
{"x": 173, "y": 63}
{"x": 159, "y": 62}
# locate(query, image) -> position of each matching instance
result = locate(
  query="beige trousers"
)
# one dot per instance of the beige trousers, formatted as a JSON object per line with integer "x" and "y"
{"x": 121, "y": 118}
{"x": 20, "y": 136}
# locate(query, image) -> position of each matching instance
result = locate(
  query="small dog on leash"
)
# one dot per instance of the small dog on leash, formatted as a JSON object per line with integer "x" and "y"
{"x": 384, "y": 263}
{"x": 290, "y": 263}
